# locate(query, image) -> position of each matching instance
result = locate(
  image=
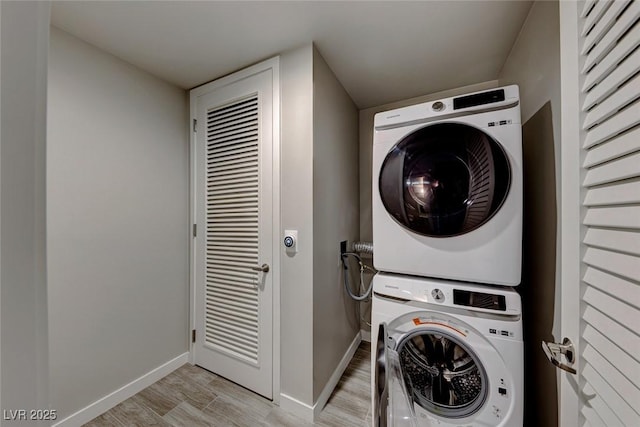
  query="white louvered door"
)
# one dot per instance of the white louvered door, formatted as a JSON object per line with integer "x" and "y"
{"x": 601, "y": 211}
{"x": 234, "y": 216}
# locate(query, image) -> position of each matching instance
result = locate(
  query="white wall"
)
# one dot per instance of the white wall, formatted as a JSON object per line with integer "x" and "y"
{"x": 23, "y": 293}
{"x": 534, "y": 64}
{"x": 319, "y": 188}
{"x": 336, "y": 218}
{"x": 118, "y": 224}
{"x": 296, "y": 194}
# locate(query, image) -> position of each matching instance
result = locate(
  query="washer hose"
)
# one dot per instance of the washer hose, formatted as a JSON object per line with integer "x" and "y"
{"x": 345, "y": 273}
{"x": 363, "y": 247}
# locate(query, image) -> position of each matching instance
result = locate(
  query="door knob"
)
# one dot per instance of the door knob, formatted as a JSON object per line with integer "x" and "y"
{"x": 264, "y": 268}
{"x": 554, "y": 352}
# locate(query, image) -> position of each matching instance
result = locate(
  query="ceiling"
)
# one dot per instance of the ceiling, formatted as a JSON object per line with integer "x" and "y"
{"x": 381, "y": 51}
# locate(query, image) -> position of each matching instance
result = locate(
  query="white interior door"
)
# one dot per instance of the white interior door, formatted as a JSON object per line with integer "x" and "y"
{"x": 234, "y": 204}
{"x": 601, "y": 211}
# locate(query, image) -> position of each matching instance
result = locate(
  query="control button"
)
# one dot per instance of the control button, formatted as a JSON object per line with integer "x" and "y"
{"x": 493, "y": 331}
{"x": 503, "y": 122}
{"x": 288, "y": 241}
{"x": 437, "y": 106}
{"x": 496, "y": 412}
{"x": 502, "y": 391}
{"x": 504, "y": 333}
{"x": 491, "y": 124}
{"x": 437, "y": 295}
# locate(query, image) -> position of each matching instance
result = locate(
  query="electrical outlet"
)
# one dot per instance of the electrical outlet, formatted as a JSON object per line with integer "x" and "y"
{"x": 343, "y": 247}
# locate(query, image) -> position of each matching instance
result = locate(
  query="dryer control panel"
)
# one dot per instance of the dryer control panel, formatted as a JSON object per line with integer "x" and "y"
{"x": 504, "y": 99}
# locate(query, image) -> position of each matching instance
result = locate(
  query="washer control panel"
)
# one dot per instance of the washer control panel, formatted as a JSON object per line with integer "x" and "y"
{"x": 445, "y": 293}
{"x": 438, "y": 295}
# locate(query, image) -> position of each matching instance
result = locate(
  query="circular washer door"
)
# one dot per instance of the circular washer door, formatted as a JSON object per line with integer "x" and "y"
{"x": 442, "y": 374}
{"x": 380, "y": 379}
{"x": 444, "y": 180}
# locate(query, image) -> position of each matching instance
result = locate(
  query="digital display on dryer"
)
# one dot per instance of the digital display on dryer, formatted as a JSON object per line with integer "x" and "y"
{"x": 478, "y": 99}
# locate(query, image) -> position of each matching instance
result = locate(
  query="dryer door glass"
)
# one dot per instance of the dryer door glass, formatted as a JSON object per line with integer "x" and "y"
{"x": 445, "y": 179}
{"x": 442, "y": 374}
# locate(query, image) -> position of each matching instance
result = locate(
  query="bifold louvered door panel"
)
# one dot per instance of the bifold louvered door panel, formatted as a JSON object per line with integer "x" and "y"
{"x": 234, "y": 234}
{"x": 609, "y": 136}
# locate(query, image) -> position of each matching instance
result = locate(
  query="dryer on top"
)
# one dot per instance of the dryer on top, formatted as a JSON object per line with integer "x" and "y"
{"x": 447, "y": 188}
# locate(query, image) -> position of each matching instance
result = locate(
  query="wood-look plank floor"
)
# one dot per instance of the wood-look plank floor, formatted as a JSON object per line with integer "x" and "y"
{"x": 192, "y": 396}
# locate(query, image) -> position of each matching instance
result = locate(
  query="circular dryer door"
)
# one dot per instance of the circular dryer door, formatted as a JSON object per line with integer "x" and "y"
{"x": 444, "y": 179}
{"x": 442, "y": 373}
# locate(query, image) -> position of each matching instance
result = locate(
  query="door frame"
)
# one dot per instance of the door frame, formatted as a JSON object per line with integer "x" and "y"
{"x": 272, "y": 64}
{"x": 570, "y": 207}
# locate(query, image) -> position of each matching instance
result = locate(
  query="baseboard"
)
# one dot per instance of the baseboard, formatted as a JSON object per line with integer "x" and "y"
{"x": 123, "y": 393}
{"x": 365, "y": 335}
{"x": 297, "y": 408}
{"x": 311, "y": 413}
{"x": 335, "y": 377}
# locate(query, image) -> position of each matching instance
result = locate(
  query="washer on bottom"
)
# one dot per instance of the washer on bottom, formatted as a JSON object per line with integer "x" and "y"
{"x": 446, "y": 353}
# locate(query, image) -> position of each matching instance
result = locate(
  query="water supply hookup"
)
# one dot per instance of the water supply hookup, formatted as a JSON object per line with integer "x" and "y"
{"x": 357, "y": 248}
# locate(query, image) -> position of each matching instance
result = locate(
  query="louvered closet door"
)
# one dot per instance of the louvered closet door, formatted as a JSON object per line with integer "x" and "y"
{"x": 234, "y": 235}
{"x": 601, "y": 90}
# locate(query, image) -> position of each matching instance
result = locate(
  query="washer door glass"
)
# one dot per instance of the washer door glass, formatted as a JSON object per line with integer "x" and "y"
{"x": 380, "y": 379}
{"x": 442, "y": 374}
{"x": 444, "y": 180}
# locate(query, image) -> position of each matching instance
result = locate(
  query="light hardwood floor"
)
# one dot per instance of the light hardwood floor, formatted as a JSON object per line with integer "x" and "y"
{"x": 192, "y": 396}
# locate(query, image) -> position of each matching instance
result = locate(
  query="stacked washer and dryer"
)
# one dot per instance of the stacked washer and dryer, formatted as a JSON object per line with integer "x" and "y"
{"x": 447, "y": 346}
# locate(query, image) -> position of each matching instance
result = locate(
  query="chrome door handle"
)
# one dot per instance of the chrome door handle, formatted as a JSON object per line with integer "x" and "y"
{"x": 554, "y": 352}
{"x": 264, "y": 268}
